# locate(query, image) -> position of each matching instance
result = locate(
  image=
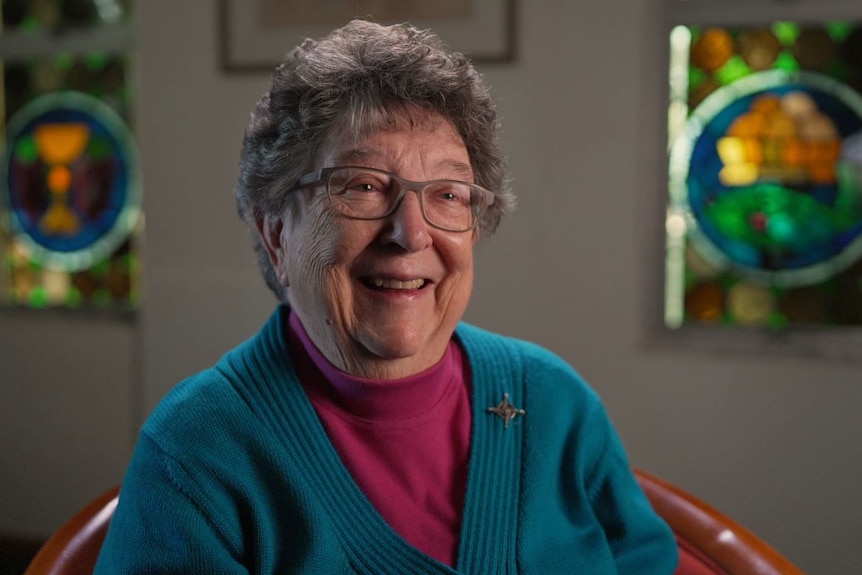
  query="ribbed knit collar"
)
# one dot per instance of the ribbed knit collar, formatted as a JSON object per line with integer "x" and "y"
{"x": 375, "y": 399}
{"x": 489, "y": 524}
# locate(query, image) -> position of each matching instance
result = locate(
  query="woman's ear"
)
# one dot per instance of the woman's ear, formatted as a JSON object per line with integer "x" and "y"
{"x": 270, "y": 230}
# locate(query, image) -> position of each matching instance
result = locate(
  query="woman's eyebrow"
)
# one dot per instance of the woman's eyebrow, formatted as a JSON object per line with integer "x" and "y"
{"x": 464, "y": 170}
{"x": 355, "y": 155}
{"x": 359, "y": 155}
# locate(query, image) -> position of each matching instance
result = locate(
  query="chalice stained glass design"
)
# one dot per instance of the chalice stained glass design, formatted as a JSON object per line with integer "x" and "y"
{"x": 71, "y": 180}
{"x": 58, "y": 145}
{"x": 765, "y": 176}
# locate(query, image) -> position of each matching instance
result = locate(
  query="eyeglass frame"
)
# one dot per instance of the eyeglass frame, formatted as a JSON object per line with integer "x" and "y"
{"x": 322, "y": 176}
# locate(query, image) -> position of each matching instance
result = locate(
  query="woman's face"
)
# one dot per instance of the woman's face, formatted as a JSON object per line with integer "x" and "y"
{"x": 334, "y": 266}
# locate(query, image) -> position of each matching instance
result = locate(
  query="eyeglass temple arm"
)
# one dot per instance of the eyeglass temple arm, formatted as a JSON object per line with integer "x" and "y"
{"x": 308, "y": 179}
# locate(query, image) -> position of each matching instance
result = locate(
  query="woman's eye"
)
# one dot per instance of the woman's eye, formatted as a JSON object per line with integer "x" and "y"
{"x": 452, "y": 195}
{"x": 366, "y": 186}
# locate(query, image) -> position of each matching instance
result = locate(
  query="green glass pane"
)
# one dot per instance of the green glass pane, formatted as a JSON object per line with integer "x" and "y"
{"x": 64, "y": 62}
{"x": 786, "y": 32}
{"x": 101, "y": 298}
{"x": 781, "y": 228}
{"x": 839, "y": 30}
{"x": 695, "y": 33}
{"x": 794, "y": 221}
{"x": 99, "y": 148}
{"x": 696, "y": 76}
{"x": 786, "y": 62}
{"x": 848, "y": 197}
{"x": 38, "y": 297}
{"x": 733, "y": 70}
{"x": 25, "y": 151}
{"x": 30, "y": 24}
{"x": 73, "y": 298}
{"x": 101, "y": 268}
{"x": 777, "y": 321}
{"x": 95, "y": 61}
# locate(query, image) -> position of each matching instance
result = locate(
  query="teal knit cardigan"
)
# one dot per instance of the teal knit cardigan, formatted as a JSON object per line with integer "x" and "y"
{"x": 233, "y": 473}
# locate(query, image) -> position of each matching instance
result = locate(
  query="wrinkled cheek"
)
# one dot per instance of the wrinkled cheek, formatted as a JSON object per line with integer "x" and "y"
{"x": 321, "y": 283}
{"x": 339, "y": 300}
{"x": 456, "y": 291}
{"x": 452, "y": 306}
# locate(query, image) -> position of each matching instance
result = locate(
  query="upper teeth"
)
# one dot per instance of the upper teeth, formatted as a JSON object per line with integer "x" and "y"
{"x": 397, "y": 284}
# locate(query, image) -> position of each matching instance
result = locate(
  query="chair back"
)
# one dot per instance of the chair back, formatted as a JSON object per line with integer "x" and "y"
{"x": 74, "y": 548}
{"x": 710, "y": 543}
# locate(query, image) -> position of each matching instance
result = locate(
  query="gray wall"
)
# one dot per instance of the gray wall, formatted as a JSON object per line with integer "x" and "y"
{"x": 769, "y": 437}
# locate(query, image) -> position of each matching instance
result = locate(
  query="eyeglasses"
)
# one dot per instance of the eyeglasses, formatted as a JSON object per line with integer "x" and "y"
{"x": 371, "y": 194}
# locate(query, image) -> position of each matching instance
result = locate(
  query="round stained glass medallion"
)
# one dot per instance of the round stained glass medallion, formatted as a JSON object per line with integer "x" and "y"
{"x": 769, "y": 174}
{"x": 71, "y": 180}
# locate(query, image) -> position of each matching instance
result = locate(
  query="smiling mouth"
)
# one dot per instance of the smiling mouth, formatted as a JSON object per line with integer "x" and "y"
{"x": 381, "y": 283}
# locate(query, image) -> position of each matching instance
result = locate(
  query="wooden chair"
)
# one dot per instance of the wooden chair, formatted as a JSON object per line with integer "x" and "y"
{"x": 74, "y": 548}
{"x": 710, "y": 542}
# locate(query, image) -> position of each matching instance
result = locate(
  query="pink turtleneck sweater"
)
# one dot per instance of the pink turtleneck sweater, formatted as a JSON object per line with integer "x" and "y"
{"x": 406, "y": 442}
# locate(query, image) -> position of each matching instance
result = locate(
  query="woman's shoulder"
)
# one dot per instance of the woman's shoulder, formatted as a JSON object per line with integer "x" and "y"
{"x": 192, "y": 406}
{"x": 208, "y": 426}
{"x": 540, "y": 366}
{"x": 223, "y": 392}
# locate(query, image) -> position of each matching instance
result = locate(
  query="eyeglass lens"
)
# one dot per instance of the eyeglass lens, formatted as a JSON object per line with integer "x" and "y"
{"x": 369, "y": 194}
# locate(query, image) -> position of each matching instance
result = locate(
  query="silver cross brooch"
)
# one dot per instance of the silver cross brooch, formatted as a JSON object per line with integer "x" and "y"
{"x": 506, "y": 411}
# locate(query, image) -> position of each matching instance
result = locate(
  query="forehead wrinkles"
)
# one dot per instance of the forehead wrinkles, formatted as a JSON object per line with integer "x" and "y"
{"x": 359, "y": 122}
{"x": 352, "y": 148}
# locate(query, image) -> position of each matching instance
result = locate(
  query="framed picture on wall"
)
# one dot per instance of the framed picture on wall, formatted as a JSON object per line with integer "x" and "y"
{"x": 255, "y": 34}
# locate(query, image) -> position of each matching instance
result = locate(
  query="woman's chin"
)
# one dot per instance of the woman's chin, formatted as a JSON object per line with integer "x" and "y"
{"x": 399, "y": 352}
{"x": 394, "y": 347}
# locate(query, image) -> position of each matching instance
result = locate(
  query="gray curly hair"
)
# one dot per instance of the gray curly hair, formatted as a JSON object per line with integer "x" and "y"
{"x": 356, "y": 80}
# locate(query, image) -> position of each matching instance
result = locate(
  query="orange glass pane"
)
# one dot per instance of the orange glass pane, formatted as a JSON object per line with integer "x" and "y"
{"x": 712, "y": 50}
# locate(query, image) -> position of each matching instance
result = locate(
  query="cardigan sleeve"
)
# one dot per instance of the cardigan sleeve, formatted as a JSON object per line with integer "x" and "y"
{"x": 162, "y": 523}
{"x": 641, "y": 542}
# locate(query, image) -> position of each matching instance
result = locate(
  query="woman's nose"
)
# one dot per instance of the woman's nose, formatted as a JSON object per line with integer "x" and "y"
{"x": 408, "y": 226}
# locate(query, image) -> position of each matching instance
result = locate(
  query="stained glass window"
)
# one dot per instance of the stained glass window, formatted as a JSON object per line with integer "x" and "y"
{"x": 764, "y": 219}
{"x": 70, "y": 210}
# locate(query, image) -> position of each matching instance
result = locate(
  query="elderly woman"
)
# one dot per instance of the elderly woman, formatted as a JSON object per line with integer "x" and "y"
{"x": 365, "y": 429}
